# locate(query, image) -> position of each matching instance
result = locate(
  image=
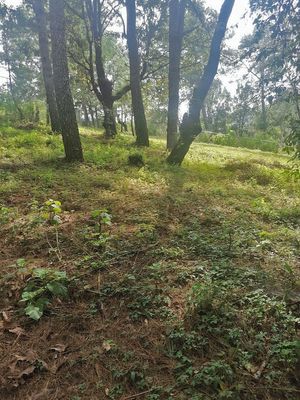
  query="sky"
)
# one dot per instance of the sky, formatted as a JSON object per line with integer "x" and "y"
{"x": 239, "y": 18}
{"x": 12, "y": 2}
{"x": 241, "y": 21}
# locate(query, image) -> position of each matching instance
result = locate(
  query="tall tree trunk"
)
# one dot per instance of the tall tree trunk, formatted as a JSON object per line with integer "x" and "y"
{"x": 105, "y": 95}
{"x": 101, "y": 84}
{"x": 91, "y": 111}
{"x": 97, "y": 117}
{"x": 190, "y": 127}
{"x": 39, "y": 10}
{"x": 205, "y": 118}
{"x": 86, "y": 115}
{"x": 37, "y": 114}
{"x": 264, "y": 122}
{"x": 132, "y": 124}
{"x": 109, "y": 123}
{"x": 176, "y": 26}
{"x": 47, "y": 114}
{"x": 141, "y": 129}
{"x": 67, "y": 115}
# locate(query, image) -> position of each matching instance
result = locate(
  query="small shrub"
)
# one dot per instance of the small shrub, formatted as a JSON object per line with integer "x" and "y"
{"x": 43, "y": 286}
{"x": 5, "y": 214}
{"x": 136, "y": 160}
{"x": 51, "y": 211}
{"x": 100, "y": 234}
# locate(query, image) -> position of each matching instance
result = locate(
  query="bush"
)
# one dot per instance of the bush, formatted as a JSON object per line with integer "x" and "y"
{"x": 43, "y": 286}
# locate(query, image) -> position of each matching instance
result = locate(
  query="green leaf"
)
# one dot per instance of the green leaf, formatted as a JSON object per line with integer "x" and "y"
{"x": 41, "y": 273}
{"x": 96, "y": 213}
{"x": 29, "y": 295}
{"x": 34, "y": 312}
{"x": 59, "y": 275}
{"x": 57, "y": 288}
{"x": 21, "y": 262}
{"x": 45, "y": 215}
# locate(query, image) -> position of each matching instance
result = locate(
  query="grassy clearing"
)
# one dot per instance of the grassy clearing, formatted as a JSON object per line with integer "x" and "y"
{"x": 191, "y": 293}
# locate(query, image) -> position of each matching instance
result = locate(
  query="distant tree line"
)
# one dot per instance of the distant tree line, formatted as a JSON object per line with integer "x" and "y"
{"x": 128, "y": 65}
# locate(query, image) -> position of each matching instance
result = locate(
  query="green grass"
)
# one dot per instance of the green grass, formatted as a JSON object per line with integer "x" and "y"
{"x": 260, "y": 141}
{"x": 191, "y": 293}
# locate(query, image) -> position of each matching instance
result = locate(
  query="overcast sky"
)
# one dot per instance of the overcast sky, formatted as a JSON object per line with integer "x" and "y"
{"x": 239, "y": 18}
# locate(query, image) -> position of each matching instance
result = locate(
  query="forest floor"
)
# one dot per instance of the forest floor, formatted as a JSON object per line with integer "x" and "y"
{"x": 155, "y": 282}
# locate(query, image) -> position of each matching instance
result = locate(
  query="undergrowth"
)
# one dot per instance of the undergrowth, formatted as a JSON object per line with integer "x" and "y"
{"x": 139, "y": 280}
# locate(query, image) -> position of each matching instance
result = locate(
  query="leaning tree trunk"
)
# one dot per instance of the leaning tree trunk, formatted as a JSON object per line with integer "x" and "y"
{"x": 141, "y": 129}
{"x": 190, "y": 127}
{"x": 39, "y": 10}
{"x": 176, "y": 26}
{"x": 67, "y": 115}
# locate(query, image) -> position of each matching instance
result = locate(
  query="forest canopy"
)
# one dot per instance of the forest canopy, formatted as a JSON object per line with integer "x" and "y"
{"x": 138, "y": 66}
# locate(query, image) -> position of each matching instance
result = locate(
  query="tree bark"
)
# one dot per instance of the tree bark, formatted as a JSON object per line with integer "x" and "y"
{"x": 86, "y": 115}
{"x": 132, "y": 124}
{"x": 67, "y": 115}
{"x": 264, "y": 122}
{"x": 109, "y": 123}
{"x": 190, "y": 127}
{"x": 97, "y": 118}
{"x": 39, "y": 10}
{"x": 141, "y": 129}
{"x": 176, "y": 27}
{"x": 91, "y": 111}
{"x": 103, "y": 88}
{"x": 205, "y": 118}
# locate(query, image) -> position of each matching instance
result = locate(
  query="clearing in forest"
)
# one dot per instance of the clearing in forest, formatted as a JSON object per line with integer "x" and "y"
{"x": 149, "y": 282}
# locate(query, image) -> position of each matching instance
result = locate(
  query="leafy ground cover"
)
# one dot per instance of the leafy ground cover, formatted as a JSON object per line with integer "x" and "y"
{"x": 148, "y": 282}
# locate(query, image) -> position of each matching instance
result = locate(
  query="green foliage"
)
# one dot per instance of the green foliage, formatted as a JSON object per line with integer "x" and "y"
{"x": 99, "y": 235}
{"x": 251, "y": 330}
{"x": 261, "y": 141}
{"x": 293, "y": 138}
{"x": 43, "y": 286}
{"x": 102, "y": 218}
{"x": 143, "y": 298}
{"x": 136, "y": 160}
{"x": 197, "y": 283}
{"x": 50, "y": 212}
{"x": 5, "y": 214}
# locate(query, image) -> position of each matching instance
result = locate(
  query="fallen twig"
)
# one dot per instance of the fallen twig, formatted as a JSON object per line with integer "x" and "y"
{"x": 134, "y": 396}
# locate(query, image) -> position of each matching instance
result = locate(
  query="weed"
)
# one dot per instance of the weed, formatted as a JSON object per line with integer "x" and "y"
{"x": 51, "y": 211}
{"x": 196, "y": 294}
{"x": 5, "y": 215}
{"x": 142, "y": 298}
{"x": 43, "y": 286}
{"x": 98, "y": 236}
{"x": 260, "y": 338}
